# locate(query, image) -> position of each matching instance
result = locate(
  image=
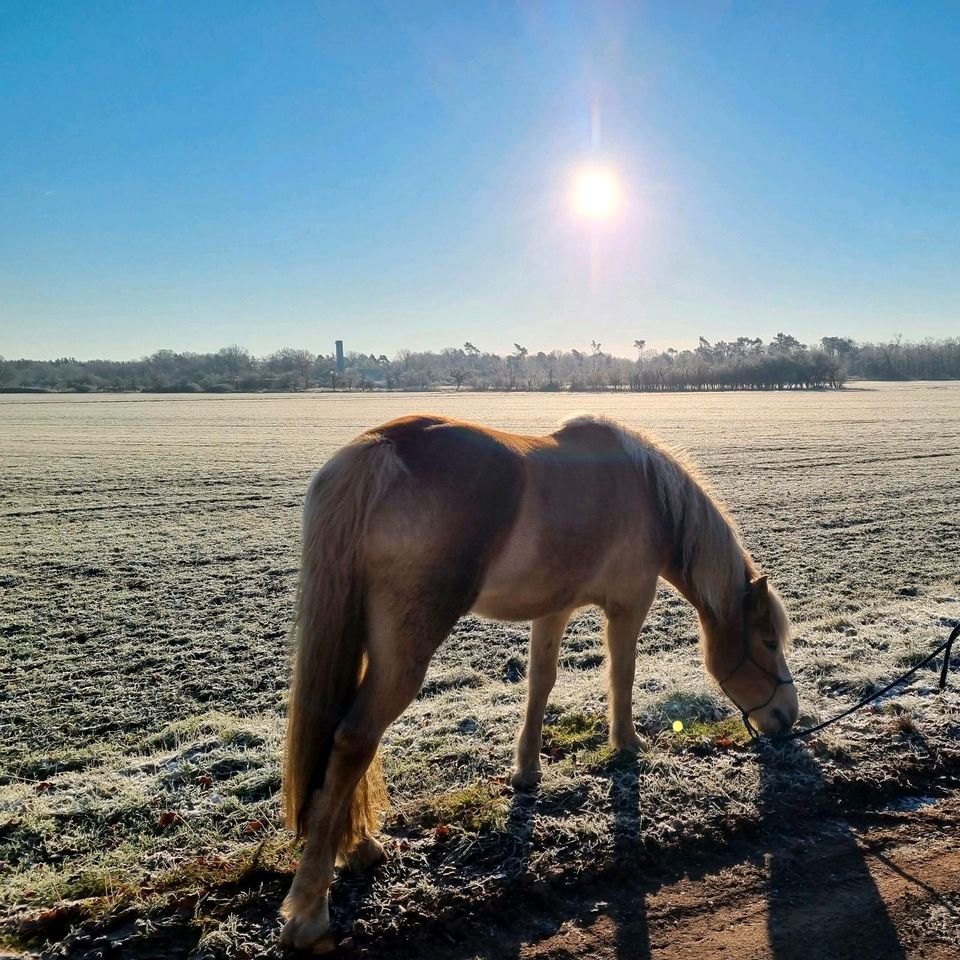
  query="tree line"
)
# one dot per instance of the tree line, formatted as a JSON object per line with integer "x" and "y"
{"x": 742, "y": 364}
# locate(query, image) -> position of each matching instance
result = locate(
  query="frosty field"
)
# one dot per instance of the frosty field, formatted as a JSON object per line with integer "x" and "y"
{"x": 148, "y": 557}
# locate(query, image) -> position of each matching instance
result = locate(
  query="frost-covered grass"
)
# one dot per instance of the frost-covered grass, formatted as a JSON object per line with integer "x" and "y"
{"x": 148, "y": 553}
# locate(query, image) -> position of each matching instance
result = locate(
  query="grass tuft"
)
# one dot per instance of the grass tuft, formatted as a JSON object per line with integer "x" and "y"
{"x": 479, "y": 807}
{"x": 573, "y": 731}
{"x": 727, "y": 732}
{"x": 686, "y": 707}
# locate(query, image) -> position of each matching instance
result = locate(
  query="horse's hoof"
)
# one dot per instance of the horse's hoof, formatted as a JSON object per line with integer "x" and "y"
{"x": 628, "y": 744}
{"x": 364, "y": 855}
{"x": 526, "y": 779}
{"x": 311, "y": 936}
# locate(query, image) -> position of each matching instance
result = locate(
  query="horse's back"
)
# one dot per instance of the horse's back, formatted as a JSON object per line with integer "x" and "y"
{"x": 516, "y": 525}
{"x": 454, "y": 504}
{"x": 586, "y": 526}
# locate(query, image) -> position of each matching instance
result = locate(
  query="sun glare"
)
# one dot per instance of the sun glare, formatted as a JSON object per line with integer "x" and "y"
{"x": 597, "y": 194}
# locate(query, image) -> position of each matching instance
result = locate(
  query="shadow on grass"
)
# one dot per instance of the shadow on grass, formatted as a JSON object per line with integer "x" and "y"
{"x": 822, "y": 899}
{"x": 538, "y": 915}
{"x": 629, "y": 913}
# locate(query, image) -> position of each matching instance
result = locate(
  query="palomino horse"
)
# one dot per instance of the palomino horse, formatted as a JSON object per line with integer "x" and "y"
{"x": 419, "y": 521}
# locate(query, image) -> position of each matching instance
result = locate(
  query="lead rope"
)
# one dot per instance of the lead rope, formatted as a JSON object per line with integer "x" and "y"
{"x": 946, "y": 647}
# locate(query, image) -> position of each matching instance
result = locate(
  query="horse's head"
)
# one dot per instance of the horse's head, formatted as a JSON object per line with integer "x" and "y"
{"x": 745, "y": 653}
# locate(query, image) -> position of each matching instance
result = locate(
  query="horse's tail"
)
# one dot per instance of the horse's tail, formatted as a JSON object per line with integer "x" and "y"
{"x": 330, "y": 630}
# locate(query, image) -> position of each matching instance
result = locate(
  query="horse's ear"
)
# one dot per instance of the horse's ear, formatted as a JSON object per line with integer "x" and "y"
{"x": 760, "y": 595}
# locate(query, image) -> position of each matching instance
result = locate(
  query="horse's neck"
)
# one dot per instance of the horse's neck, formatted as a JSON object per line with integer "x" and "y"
{"x": 708, "y": 561}
{"x": 684, "y": 582}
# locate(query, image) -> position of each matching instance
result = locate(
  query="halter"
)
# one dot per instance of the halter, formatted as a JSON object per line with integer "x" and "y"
{"x": 747, "y": 657}
{"x": 946, "y": 648}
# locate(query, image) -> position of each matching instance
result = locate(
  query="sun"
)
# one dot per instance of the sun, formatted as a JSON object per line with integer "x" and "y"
{"x": 597, "y": 193}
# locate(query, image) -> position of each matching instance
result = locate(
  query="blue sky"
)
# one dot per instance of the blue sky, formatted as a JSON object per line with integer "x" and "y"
{"x": 192, "y": 174}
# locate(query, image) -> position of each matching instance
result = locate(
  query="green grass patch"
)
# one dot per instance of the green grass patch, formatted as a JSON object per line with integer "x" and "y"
{"x": 599, "y": 759}
{"x": 104, "y": 889}
{"x": 573, "y": 731}
{"x": 478, "y": 808}
{"x": 727, "y": 732}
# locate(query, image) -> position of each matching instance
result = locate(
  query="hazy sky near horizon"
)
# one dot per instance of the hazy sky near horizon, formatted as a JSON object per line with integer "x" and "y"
{"x": 190, "y": 174}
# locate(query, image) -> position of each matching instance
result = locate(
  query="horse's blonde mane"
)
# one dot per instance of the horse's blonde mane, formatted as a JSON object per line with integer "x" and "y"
{"x": 712, "y": 556}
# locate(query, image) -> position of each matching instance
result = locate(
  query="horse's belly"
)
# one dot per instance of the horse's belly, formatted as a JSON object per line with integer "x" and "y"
{"x": 522, "y": 601}
{"x": 520, "y": 585}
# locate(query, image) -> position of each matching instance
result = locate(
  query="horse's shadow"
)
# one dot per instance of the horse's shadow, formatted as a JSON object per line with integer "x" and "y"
{"x": 822, "y": 899}
{"x": 809, "y": 913}
{"x": 629, "y": 915}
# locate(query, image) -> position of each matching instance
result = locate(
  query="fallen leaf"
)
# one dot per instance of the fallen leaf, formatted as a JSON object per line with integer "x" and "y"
{"x": 53, "y": 915}
{"x": 184, "y": 903}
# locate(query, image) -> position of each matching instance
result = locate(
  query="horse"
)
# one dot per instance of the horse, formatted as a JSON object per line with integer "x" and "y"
{"x": 426, "y": 518}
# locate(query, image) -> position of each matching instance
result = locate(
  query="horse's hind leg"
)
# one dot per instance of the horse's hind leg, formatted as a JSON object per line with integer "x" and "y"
{"x": 401, "y": 641}
{"x": 623, "y": 629}
{"x": 545, "y": 636}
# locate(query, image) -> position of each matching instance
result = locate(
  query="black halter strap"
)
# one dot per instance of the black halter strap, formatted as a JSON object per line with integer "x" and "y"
{"x": 946, "y": 648}
{"x": 746, "y": 657}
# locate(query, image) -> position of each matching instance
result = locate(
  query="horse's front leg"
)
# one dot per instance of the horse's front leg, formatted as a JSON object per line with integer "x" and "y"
{"x": 545, "y": 636}
{"x": 623, "y": 629}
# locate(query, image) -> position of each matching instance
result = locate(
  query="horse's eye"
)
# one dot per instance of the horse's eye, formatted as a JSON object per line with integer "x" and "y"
{"x": 771, "y": 645}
